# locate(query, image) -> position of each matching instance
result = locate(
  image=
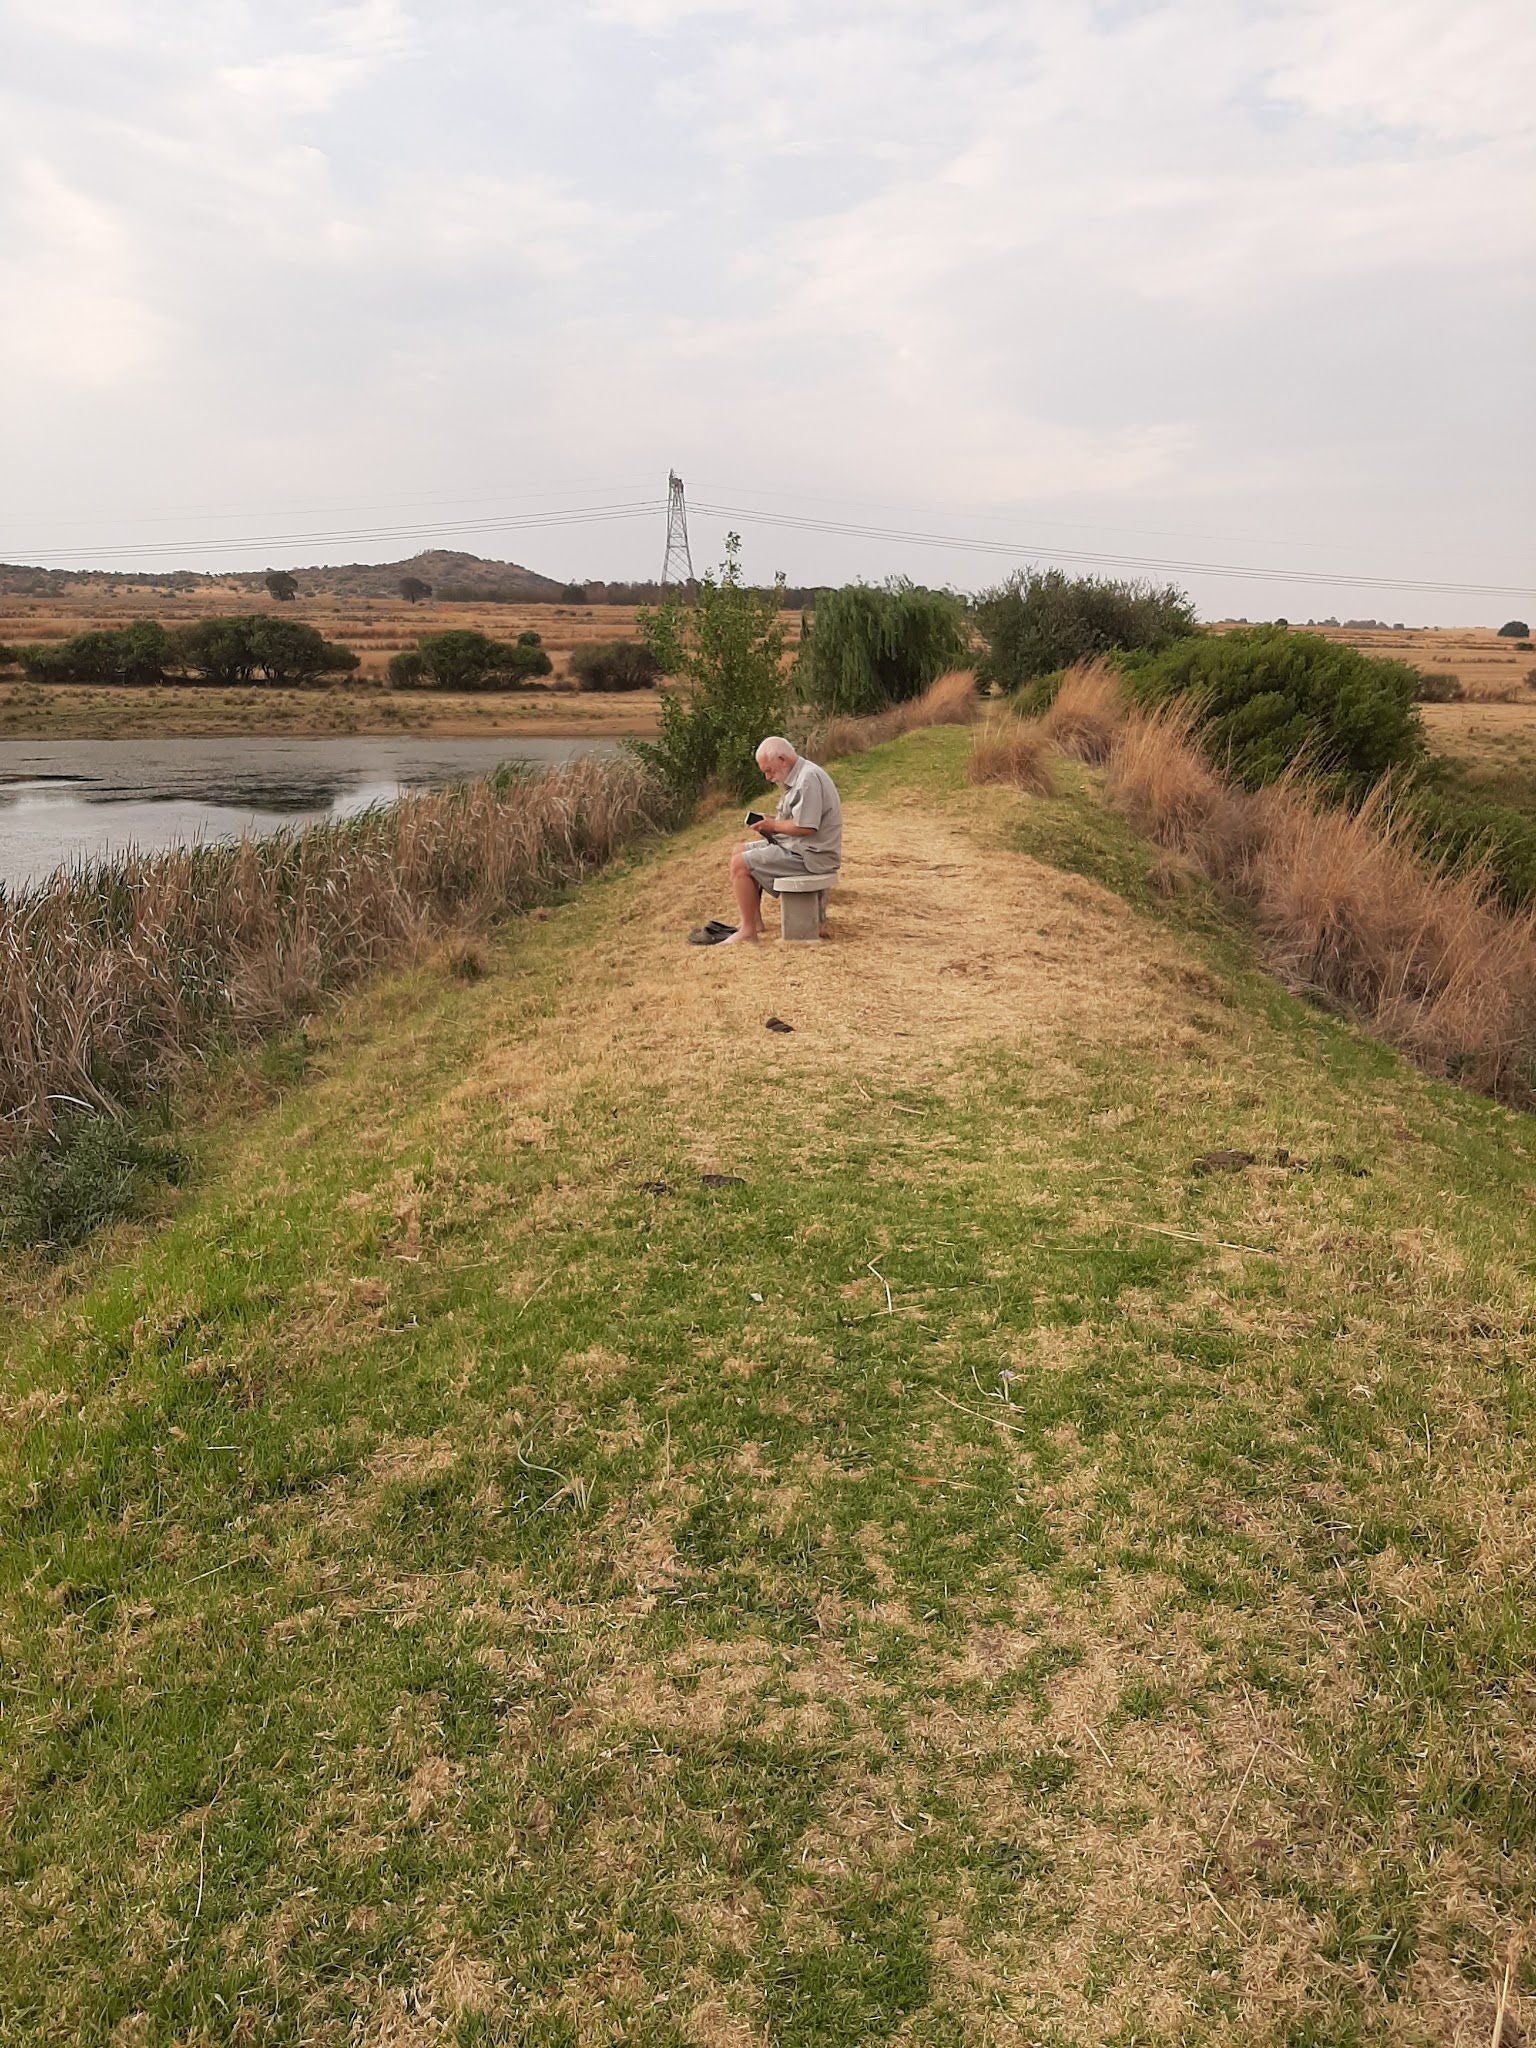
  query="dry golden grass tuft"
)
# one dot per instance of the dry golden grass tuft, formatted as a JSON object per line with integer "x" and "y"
{"x": 1013, "y": 750}
{"x": 1086, "y": 712}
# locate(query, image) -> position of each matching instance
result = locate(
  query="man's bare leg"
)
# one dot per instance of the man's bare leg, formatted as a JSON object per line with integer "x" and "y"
{"x": 749, "y": 901}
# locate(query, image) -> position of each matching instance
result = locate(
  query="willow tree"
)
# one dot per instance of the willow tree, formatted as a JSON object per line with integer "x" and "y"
{"x": 874, "y": 644}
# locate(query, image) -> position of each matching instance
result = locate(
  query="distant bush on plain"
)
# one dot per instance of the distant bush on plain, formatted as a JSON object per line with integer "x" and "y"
{"x": 614, "y": 665}
{"x": 465, "y": 660}
{"x": 1266, "y": 701}
{"x": 874, "y": 645}
{"x": 1042, "y": 620}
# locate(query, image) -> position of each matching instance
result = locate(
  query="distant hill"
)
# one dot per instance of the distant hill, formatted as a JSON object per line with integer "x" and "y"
{"x": 443, "y": 568}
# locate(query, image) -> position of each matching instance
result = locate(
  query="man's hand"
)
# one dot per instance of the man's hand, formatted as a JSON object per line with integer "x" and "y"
{"x": 766, "y": 827}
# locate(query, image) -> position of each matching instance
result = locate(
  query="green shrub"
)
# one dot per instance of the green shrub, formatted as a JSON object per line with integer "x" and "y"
{"x": 137, "y": 654}
{"x": 530, "y": 639}
{"x": 1514, "y": 629}
{"x": 464, "y": 660}
{"x": 874, "y": 645}
{"x": 1042, "y": 619}
{"x": 1266, "y": 700}
{"x": 727, "y": 649}
{"x": 407, "y": 670}
{"x": 86, "y": 1173}
{"x": 614, "y": 665}
{"x": 10, "y": 657}
{"x": 283, "y": 652}
{"x": 1465, "y": 830}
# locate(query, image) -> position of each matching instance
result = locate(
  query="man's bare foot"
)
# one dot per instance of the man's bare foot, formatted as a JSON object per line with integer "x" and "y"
{"x": 742, "y": 938}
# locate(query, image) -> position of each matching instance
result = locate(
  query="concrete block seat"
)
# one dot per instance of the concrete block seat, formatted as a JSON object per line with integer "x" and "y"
{"x": 804, "y": 904}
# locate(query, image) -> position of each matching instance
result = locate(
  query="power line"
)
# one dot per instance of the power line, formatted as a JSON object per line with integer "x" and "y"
{"x": 508, "y": 522}
{"x": 1162, "y": 565}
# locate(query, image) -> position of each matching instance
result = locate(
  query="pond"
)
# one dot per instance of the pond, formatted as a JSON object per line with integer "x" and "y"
{"x": 67, "y": 800}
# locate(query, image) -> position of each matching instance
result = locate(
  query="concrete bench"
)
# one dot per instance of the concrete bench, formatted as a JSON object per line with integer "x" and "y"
{"x": 804, "y": 905}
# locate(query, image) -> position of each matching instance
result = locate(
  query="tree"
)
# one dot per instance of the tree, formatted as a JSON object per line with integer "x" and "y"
{"x": 413, "y": 589}
{"x": 875, "y": 645}
{"x": 137, "y": 654}
{"x": 1514, "y": 629}
{"x": 614, "y": 665}
{"x": 1041, "y": 620}
{"x": 284, "y": 652}
{"x": 727, "y": 651}
{"x": 216, "y": 651}
{"x": 281, "y": 585}
{"x": 574, "y": 593}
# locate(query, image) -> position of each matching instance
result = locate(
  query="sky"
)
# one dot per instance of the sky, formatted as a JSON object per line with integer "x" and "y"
{"x": 1245, "y": 283}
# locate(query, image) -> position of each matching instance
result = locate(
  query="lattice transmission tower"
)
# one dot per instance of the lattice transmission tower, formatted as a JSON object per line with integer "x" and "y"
{"x": 678, "y": 567}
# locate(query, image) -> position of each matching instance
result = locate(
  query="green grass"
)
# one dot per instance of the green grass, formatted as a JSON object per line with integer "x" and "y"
{"x": 454, "y": 1591}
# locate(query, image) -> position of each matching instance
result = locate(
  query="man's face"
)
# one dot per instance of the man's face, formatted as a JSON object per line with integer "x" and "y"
{"x": 775, "y": 769}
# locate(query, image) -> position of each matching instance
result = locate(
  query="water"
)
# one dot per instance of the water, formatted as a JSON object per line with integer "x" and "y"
{"x": 66, "y": 800}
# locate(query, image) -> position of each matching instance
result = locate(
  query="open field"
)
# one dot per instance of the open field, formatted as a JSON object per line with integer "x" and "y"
{"x": 1000, "y": 1517}
{"x": 1493, "y": 744}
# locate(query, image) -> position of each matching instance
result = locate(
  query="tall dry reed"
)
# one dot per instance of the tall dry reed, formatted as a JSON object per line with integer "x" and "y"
{"x": 1086, "y": 713}
{"x": 1012, "y": 750}
{"x": 112, "y": 973}
{"x": 1347, "y": 908}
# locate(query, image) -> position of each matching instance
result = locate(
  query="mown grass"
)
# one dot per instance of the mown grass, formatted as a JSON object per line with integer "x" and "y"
{"x": 469, "y": 1579}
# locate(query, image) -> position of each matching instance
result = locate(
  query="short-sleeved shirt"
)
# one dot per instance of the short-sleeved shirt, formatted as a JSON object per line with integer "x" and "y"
{"x": 809, "y": 797}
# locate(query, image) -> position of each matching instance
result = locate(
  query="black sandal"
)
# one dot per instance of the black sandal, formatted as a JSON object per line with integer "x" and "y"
{"x": 711, "y": 934}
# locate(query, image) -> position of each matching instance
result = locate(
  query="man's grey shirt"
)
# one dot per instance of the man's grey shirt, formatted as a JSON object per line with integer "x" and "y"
{"x": 809, "y": 797}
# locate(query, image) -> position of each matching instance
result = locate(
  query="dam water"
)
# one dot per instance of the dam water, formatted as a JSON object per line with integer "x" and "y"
{"x": 63, "y": 801}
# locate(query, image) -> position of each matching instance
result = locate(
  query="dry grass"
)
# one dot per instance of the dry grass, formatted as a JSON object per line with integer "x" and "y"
{"x": 1087, "y": 712}
{"x": 1349, "y": 910}
{"x": 1012, "y": 750}
{"x": 111, "y": 974}
{"x": 949, "y": 701}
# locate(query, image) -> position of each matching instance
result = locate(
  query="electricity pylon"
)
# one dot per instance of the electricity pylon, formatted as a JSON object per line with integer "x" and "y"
{"x": 678, "y": 567}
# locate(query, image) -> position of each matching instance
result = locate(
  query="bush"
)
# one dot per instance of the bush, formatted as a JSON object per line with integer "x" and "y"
{"x": 137, "y": 654}
{"x": 86, "y": 1173}
{"x": 1439, "y": 686}
{"x": 1266, "y": 700}
{"x": 614, "y": 665}
{"x": 466, "y": 660}
{"x": 1514, "y": 629}
{"x": 283, "y": 652}
{"x": 406, "y": 671}
{"x": 728, "y": 650}
{"x": 1466, "y": 832}
{"x": 530, "y": 639}
{"x": 10, "y": 657}
{"x": 871, "y": 645}
{"x": 1042, "y": 619}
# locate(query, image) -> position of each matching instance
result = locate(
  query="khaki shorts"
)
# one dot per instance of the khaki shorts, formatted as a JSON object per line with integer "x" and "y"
{"x": 770, "y": 859}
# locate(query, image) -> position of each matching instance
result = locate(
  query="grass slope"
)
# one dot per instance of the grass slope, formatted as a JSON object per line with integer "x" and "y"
{"x": 602, "y": 1523}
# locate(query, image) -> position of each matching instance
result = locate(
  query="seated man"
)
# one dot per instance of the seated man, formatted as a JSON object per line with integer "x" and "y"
{"x": 805, "y": 837}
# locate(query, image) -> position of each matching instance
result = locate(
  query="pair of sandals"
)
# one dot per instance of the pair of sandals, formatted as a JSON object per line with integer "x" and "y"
{"x": 711, "y": 934}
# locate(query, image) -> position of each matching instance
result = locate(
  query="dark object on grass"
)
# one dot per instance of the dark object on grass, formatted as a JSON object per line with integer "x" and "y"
{"x": 721, "y": 1180}
{"x": 777, "y": 1024}
{"x": 1223, "y": 1162}
{"x": 654, "y": 1187}
{"x": 710, "y": 934}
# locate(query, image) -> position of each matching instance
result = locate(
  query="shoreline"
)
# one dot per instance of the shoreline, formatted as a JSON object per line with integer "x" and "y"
{"x": 67, "y": 711}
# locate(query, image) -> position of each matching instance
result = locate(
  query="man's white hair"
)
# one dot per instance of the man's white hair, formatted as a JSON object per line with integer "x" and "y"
{"x": 776, "y": 748}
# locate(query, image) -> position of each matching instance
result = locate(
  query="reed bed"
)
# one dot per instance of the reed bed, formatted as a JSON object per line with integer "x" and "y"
{"x": 112, "y": 974}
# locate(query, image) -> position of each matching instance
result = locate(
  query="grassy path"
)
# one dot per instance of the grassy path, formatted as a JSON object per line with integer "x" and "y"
{"x": 600, "y": 1522}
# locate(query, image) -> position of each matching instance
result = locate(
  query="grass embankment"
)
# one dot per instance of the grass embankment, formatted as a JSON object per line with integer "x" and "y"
{"x": 65, "y": 711}
{"x": 1000, "y": 1515}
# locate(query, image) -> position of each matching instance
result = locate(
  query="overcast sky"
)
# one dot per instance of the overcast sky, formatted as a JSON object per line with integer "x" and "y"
{"x": 1210, "y": 280}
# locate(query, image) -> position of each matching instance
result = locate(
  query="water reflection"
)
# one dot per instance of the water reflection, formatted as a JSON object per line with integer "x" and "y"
{"x": 69, "y": 800}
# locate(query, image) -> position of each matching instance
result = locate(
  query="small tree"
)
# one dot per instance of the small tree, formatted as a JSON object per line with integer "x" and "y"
{"x": 727, "y": 651}
{"x": 530, "y": 639}
{"x": 290, "y": 654}
{"x": 413, "y": 589}
{"x": 1514, "y": 629}
{"x": 281, "y": 585}
{"x": 465, "y": 660}
{"x": 574, "y": 593}
{"x": 1042, "y": 620}
{"x": 216, "y": 651}
{"x": 137, "y": 654}
{"x": 870, "y": 646}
